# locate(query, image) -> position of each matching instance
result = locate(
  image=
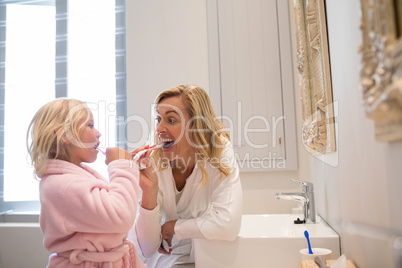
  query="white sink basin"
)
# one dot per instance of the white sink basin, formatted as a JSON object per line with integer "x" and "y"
{"x": 271, "y": 240}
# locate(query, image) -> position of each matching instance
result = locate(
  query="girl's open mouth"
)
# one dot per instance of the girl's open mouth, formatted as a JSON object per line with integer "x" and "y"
{"x": 97, "y": 145}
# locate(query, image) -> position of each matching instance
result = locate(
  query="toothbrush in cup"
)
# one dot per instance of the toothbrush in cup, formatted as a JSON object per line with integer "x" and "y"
{"x": 307, "y": 235}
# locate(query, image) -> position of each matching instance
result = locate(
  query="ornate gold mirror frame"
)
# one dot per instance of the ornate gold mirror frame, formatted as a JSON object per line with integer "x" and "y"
{"x": 381, "y": 69}
{"x": 314, "y": 76}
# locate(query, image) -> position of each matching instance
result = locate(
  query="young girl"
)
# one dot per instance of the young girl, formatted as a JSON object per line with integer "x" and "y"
{"x": 84, "y": 218}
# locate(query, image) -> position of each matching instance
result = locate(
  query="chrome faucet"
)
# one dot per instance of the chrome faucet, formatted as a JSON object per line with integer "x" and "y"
{"x": 306, "y": 197}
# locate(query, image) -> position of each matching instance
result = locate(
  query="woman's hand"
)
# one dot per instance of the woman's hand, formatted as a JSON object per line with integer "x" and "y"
{"x": 167, "y": 234}
{"x": 148, "y": 179}
{"x": 115, "y": 153}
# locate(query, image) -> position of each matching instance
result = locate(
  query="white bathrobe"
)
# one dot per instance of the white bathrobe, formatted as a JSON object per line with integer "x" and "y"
{"x": 212, "y": 212}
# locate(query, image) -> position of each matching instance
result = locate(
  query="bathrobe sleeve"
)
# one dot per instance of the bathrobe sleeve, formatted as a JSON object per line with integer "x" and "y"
{"x": 96, "y": 206}
{"x": 223, "y": 220}
{"x": 147, "y": 231}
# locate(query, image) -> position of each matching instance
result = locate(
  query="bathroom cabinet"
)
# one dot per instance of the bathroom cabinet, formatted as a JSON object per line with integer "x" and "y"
{"x": 251, "y": 80}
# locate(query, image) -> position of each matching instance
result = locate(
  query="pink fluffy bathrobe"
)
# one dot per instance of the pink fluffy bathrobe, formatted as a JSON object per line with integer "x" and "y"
{"x": 85, "y": 219}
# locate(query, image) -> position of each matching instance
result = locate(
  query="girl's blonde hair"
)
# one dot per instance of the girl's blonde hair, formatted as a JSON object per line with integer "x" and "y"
{"x": 209, "y": 141}
{"x": 52, "y": 127}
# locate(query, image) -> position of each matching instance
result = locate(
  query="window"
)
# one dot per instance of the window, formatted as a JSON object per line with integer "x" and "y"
{"x": 51, "y": 49}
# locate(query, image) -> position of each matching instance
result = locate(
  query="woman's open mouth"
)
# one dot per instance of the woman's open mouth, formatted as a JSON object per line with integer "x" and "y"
{"x": 167, "y": 143}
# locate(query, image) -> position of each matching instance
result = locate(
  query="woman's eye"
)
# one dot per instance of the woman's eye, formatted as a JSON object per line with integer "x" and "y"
{"x": 170, "y": 120}
{"x": 90, "y": 125}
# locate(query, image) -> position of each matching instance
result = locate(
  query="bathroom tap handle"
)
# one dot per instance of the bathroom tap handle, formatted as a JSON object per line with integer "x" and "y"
{"x": 307, "y": 186}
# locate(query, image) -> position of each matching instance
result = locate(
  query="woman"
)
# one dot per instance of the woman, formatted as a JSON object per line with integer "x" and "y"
{"x": 191, "y": 188}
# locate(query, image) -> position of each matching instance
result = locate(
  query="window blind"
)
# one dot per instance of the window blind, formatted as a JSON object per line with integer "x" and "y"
{"x": 65, "y": 84}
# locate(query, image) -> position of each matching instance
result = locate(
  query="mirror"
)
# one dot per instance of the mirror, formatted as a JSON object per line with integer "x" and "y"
{"x": 314, "y": 76}
{"x": 381, "y": 67}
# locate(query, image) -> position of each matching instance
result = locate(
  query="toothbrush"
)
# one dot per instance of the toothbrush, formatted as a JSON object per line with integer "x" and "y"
{"x": 140, "y": 153}
{"x": 104, "y": 153}
{"x": 308, "y": 241}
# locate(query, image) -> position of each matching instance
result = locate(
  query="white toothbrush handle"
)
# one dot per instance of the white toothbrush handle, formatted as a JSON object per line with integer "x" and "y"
{"x": 140, "y": 153}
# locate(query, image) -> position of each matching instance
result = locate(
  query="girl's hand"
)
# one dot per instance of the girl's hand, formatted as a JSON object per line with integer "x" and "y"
{"x": 115, "y": 153}
{"x": 167, "y": 234}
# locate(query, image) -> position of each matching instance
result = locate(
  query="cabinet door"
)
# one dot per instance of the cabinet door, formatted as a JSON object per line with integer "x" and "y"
{"x": 251, "y": 78}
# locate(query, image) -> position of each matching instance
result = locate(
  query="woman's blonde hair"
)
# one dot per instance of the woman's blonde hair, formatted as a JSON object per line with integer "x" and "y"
{"x": 52, "y": 127}
{"x": 209, "y": 141}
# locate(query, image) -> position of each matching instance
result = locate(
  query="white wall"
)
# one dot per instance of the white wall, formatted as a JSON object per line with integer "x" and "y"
{"x": 166, "y": 45}
{"x": 259, "y": 188}
{"x": 365, "y": 186}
